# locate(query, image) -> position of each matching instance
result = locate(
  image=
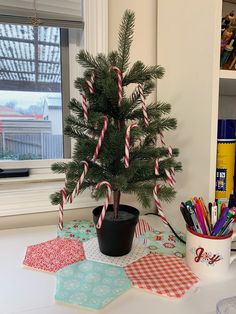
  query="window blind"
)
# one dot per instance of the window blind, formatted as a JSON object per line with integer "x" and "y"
{"x": 60, "y": 13}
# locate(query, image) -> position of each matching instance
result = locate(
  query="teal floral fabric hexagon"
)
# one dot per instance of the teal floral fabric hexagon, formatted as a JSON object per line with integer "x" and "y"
{"x": 164, "y": 243}
{"x": 90, "y": 284}
{"x": 82, "y": 230}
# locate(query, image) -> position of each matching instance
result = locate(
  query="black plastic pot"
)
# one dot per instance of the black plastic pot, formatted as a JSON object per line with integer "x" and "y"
{"x": 115, "y": 236}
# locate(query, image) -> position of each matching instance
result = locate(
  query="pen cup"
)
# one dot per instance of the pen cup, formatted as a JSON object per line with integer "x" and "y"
{"x": 209, "y": 256}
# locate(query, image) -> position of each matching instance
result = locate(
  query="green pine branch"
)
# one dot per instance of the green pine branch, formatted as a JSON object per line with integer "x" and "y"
{"x": 125, "y": 39}
{"x": 139, "y": 73}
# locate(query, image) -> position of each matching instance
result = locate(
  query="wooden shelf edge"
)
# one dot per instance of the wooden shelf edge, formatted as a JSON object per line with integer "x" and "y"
{"x": 228, "y": 74}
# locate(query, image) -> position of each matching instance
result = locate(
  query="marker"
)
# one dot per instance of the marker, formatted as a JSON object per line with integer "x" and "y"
{"x": 227, "y": 227}
{"x": 207, "y": 218}
{"x": 222, "y": 207}
{"x": 214, "y": 215}
{"x": 210, "y": 214}
{"x": 187, "y": 216}
{"x": 197, "y": 226}
{"x": 200, "y": 218}
{"x": 218, "y": 208}
{"x": 220, "y": 222}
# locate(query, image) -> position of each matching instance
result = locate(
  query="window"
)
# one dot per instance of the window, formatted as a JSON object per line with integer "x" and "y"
{"x": 33, "y": 196}
{"x": 31, "y": 115}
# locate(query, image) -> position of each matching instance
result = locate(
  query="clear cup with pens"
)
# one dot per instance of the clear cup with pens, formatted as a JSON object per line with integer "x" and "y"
{"x": 209, "y": 237}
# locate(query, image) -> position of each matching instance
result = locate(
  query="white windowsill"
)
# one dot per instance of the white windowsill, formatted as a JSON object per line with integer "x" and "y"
{"x": 33, "y": 178}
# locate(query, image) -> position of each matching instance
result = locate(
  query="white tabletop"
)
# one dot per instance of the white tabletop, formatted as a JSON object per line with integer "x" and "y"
{"x": 32, "y": 292}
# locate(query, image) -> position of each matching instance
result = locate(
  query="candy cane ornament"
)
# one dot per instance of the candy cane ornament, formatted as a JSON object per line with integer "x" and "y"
{"x": 90, "y": 86}
{"x": 127, "y": 143}
{"x": 90, "y": 83}
{"x": 104, "y": 209}
{"x": 172, "y": 170}
{"x": 141, "y": 93}
{"x": 61, "y": 207}
{"x": 169, "y": 178}
{"x": 119, "y": 82}
{"x": 79, "y": 182}
{"x": 101, "y": 137}
{"x": 162, "y": 138}
{"x": 85, "y": 105}
{"x": 156, "y": 167}
{"x": 158, "y": 203}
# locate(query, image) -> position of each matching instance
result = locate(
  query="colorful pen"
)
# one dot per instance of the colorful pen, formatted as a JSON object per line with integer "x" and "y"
{"x": 218, "y": 208}
{"x": 220, "y": 222}
{"x": 213, "y": 215}
{"x": 187, "y": 216}
{"x": 197, "y": 226}
{"x": 200, "y": 218}
{"x": 227, "y": 227}
{"x": 205, "y": 214}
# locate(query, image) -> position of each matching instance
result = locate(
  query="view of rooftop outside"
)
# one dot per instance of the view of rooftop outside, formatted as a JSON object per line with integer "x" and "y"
{"x": 30, "y": 93}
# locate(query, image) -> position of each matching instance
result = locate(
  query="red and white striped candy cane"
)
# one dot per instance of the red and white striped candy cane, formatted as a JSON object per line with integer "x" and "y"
{"x": 156, "y": 167}
{"x": 127, "y": 143}
{"x": 90, "y": 83}
{"x": 79, "y": 182}
{"x": 101, "y": 137}
{"x": 90, "y": 86}
{"x": 85, "y": 105}
{"x": 172, "y": 170}
{"x": 61, "y": 207}
{"x": 162, "y": 138}
{"x": 170, "y": 151}
{"x": 158, "y": 203}
{"x": 119, "y": 82}
{"x": 104, "y": 209}
{"x": 145, "y": 116}
{"x": 169, "y": 178}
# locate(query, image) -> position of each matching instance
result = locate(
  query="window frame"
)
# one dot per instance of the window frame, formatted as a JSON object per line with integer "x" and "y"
{"x": 96, "y": 22}
{"x": 95, "y": 40}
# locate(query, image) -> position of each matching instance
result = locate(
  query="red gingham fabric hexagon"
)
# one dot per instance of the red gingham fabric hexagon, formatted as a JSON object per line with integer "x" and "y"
{"x": 165, "y": 275}
{"x": 53, "y": 255}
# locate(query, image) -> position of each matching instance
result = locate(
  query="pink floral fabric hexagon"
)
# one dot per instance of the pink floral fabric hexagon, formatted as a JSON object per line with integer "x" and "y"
{"x": 50, "y": 256}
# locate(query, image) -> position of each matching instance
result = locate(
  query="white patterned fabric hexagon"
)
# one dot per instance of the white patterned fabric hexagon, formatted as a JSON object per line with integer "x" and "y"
{"x": 90, "y": 284}
{"x": 92, "y": 252}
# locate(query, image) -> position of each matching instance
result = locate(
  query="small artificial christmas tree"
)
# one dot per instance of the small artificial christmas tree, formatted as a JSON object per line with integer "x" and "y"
{"x": 117, "y": 137}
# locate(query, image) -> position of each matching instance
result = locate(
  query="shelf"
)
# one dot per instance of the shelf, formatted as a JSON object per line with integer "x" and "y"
{"x": 228, "y": 74}
{"x": 227, "y": 83}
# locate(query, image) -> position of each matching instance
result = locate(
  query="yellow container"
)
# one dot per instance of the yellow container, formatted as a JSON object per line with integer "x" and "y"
{"x": 225, "y": 168}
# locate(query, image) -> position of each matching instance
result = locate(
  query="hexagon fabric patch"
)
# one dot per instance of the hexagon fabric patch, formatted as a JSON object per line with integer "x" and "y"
{"x": 165, "y": 275}
{"x": 82, "y": 230}
{"x": 164, "y": 243}
{"x": 53, "y": 255}
{"x": 92, "y": 252}
{"x": 90, "y": 284}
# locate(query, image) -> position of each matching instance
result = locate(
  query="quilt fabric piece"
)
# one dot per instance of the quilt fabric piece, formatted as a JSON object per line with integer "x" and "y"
{"x": 165, "y": 275}
{"x": 164, "y": 243}
{"x": 82, "y": 230}
{"x": 93, "y": 253}
{"x": 90, "y": 284}
{"x": 53, "y": 255}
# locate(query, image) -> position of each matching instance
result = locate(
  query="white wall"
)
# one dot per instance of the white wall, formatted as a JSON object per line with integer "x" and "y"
{"x": 144, "y": 41}
{"x": 188, "y": 47}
